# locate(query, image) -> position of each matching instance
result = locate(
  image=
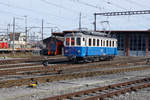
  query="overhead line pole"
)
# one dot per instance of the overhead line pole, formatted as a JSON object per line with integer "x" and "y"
{"x": 80, "y": 21}
{"x": 119, "y": 14}
{"x": 94, "y": 22}
{"x": 13, "y": 35}
{"x": 42, "y": 30}
{"x": 8, "y": 30}
{"x": 26, "y": 30}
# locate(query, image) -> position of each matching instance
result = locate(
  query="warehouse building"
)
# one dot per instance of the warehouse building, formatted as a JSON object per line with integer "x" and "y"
{"x": 133, "y": 43}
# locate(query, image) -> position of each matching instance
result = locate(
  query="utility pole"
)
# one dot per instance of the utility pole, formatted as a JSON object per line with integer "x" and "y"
{"x": 26, "y": 30}
{"x": 13, "y": 35}
{"x": 80, "y": 21}
{"x": 42, "y": 30}
{"x": 8, "y": 30}
{"x": 94, "y": 22}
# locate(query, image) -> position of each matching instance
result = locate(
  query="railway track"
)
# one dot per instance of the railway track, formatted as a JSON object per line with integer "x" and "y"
{"x": 57, "y": 77}
{"x": 101, "y": 93}
{"x": 69, "y": 71}
{"x": 64, "y": 67}
{"x": 31, "y": 60}
{"x": 8, "y": 63}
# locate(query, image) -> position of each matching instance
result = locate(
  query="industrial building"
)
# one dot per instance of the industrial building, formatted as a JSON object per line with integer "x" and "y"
{"x": 133, "y": 43}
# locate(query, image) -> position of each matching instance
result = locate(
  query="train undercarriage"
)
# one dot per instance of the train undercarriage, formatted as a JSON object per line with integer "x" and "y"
{"x": 87, "y": 59}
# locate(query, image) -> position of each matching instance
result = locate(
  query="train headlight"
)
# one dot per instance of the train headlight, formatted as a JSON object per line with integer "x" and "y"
{"x": 79, "y": 51}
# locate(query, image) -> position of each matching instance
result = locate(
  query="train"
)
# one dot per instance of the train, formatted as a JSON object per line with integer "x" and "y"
{"x": 3, "y": 45}
{"x": 88, "y": 46}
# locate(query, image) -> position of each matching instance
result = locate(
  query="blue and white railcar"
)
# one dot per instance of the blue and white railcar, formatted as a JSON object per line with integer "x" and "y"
{"x": 89, "y": 46}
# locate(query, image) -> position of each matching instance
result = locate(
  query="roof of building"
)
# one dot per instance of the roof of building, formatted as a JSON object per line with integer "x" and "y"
{"x": 52, "y": 38}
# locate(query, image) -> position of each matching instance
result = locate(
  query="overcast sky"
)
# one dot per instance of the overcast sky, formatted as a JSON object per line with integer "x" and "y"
{"x": 64, "y": 14}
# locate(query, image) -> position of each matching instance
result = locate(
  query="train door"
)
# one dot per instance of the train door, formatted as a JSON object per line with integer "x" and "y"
{"x": 86, "y": 46}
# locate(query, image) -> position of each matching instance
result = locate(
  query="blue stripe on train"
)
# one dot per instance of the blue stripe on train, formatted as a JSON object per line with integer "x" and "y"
{"x": 89, "y": 51}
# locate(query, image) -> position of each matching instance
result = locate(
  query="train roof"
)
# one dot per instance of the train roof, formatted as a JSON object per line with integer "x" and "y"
{"x": 92, "y": 33}
{"x": 112, "y": 32}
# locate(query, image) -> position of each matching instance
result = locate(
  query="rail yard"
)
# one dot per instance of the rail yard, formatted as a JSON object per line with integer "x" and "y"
{"x": 74, "y": 50}
{"x": 29, "y": 79}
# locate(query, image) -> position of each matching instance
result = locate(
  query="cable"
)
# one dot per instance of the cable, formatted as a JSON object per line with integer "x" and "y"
{"x": 86, "y": 4}
{"x": 59, "y": 6}
{"x": 10, "y": 13}
{"x": 118, "y": 6}
{"x": 31, "y": 10}
{"x": 136, "y": 3}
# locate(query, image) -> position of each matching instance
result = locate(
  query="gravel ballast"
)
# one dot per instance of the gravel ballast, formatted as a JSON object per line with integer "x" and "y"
{"x": 57, "y": 88}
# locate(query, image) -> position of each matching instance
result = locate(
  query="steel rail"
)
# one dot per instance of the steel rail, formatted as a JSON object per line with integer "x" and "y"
{"x": 105, "y": 92}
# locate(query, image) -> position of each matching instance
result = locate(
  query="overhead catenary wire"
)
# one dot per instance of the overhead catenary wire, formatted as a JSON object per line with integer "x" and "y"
{"x": 120, "y": 7}
{"x": 141, "y": 5}
{"x": 33, "y": 11}
{"x": 65, "y": 8}
{"x": 60, "y": 6}
{"x": 87, "y": 4}
{"x": 18, "y": 15}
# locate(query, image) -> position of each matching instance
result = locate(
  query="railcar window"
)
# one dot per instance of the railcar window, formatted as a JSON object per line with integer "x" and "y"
{"x": 107, "y": 43}
{"x": 72, "y": 42}
{"x": 67, "y": 41}
{"x": 89, "y": 42}
{"x": 101, "y": 43}
{"x": 78, "y": 41}
{"x": 110, "y": 43}
{"x": 113, "y": 44}
{"x": 104, "y": 43}
{"x": 83, "y": 39}
{"x": 93, "y": 42}
{"x": 97, "y": 42}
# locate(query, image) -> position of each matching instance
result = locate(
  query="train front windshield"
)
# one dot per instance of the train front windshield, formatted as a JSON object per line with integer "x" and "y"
{"x": 67, "y": 41}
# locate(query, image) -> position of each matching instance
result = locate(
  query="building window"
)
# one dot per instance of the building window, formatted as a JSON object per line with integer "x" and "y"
{"x": 120, "y": 38}
{"x": 143, "y": 45}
